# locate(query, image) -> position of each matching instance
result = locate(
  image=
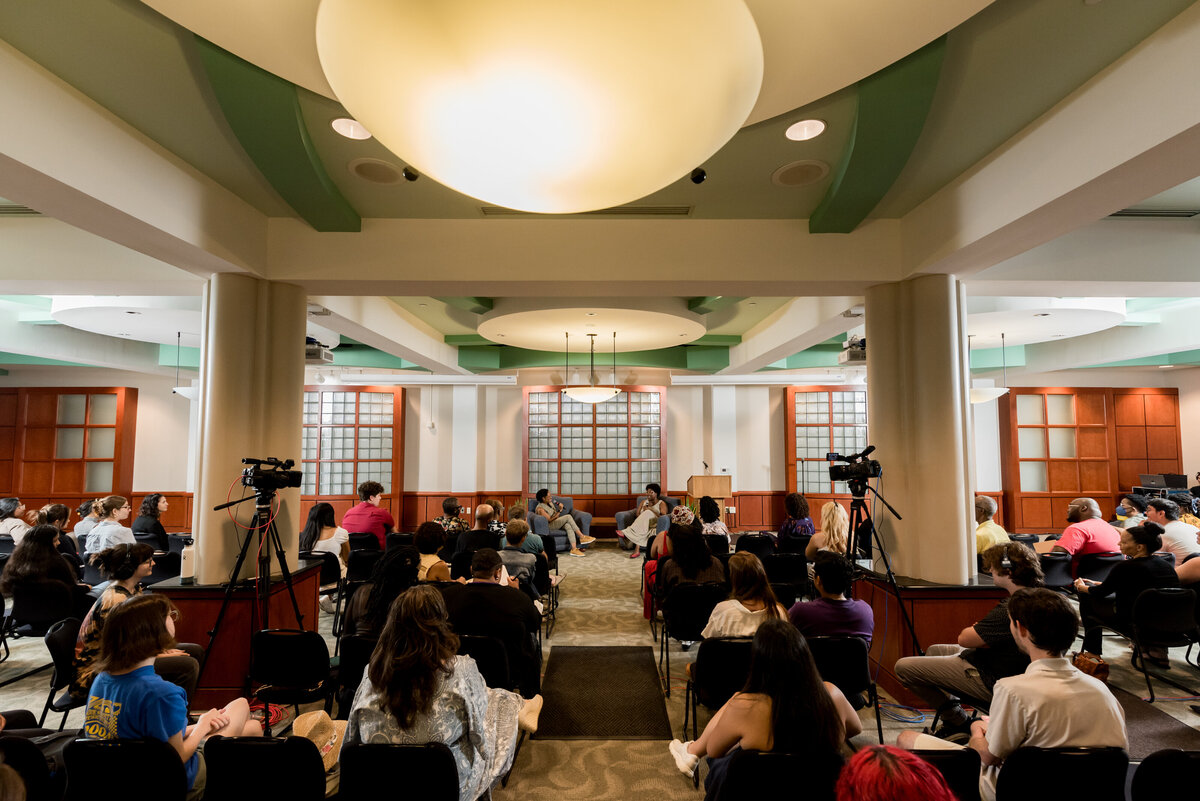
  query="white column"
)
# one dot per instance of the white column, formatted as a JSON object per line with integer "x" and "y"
{"x": 724, "y": 428}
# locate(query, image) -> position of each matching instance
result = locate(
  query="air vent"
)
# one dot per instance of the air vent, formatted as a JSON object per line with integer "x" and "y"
{"x": 615, "y": 211}
{"x": 376, "y": 171}
{"x": 14, "y": 210}
{"x": 800, "y": 173}
{"x": 1159, "y": 214}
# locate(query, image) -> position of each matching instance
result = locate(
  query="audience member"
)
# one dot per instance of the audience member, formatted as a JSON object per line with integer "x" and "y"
{"x": 367, "y": 609}
{"x": 481, "y": 534}
{"x": 57, "y": 515}
{"x": 710, "y": 518}
{"x": 1187, "y": 507}
{"x": 834, "y": 533}
{"x": 751, "y": 600}
{"x": 1132, "y": 511}
{"x": 833, "y": 613}
{"x": 691, "y": 561}
{"x": 1086, "y": 533}
{"x": 532, "y": 543}
{"x": 986, "y": 650}
{"x": 129, "y": 700}
{"x": 484, "y": 606}
{"x": 37, "y": 559}
{"x": 429, "y": 539}
{"x": 1189, "y": 572}
{"x": 126, "y": 566}
{"x": 561, "y": 520}
{"x": 1178, "y": 537}
{"x": 784, "y": 706}
{"x": 1140, "y": 571}
{"x": 12, "y": 519}
{"x": 522, "y": 565}
{"x": 497, "y": 524}
{"x": 645, "y": 522}
{"x": 12, "y": 786}
{"x": 367, "y": 517}
{"x": 147, "y": 527}
{"x": 797, "y": 529}
{"x": 322, "y": 534}
{"x": 987, "y": 531}
{"x": 886, "y": 773}
{"x": 1051, "y": 705}
{"x": 89, "y": 516}
{"x": 416, "y": 690}
{"x": 449, "y": 519}
{"x": 108, "y": 532}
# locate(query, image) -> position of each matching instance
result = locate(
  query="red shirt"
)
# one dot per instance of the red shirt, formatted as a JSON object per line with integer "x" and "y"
{"x": 1089, "y": 536}
{"x": 366, "y": 518}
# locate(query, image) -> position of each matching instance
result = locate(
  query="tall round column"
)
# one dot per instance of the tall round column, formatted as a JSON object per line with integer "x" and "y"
{"x": 920, "y": 423}
{"x": 252, "y": 396}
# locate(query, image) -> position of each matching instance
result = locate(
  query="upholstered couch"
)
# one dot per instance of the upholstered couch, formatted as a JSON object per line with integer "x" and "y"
{"x": 541, "y": 526}
{"x": 625, "y": 519}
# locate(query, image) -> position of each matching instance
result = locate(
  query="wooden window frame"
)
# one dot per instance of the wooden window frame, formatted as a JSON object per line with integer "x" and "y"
{"x": 793, "y": 467}
{"x": 397, "y": 458}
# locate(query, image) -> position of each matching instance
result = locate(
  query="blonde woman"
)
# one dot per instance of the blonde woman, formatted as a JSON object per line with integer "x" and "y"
{"x": 835, "y": 525}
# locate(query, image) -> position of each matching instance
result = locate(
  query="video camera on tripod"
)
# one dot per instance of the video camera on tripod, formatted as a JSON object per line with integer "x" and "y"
{"x": 859, "y": 467}
{"x": 279, "y": 476}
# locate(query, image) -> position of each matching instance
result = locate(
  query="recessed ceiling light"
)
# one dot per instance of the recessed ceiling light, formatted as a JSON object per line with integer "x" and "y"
{"x": 1165, "y": 366}
{"x": 591, "y": 314}
{"x": 1042, "y": 314}
{"x": 1059, "y": 335}
{"x": 122, "y": 334}
{"x": 351, "y": 129}
{"x": 132, "y": 312}
{"x": 423, "y": 305}
{"x": 804, "y": 130}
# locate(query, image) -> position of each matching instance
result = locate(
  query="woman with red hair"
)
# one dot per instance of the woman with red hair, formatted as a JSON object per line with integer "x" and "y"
{"x": 887, "y": 773}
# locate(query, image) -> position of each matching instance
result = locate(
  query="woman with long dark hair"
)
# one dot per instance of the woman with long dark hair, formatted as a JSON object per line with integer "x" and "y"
{"x": 783, "y": 707}
{"x": 394, "y": 573}
{"x": 322, "y": 533}
{"x": 691, "y": 561}
{"x": 416, "y": 690}
{"x": 798, "y": 527}
{"x": 148, "y": 527}
{"x": 37, "y": 559}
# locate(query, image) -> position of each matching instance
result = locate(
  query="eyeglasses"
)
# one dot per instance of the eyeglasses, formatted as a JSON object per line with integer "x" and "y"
{"x": 126, "y": 506}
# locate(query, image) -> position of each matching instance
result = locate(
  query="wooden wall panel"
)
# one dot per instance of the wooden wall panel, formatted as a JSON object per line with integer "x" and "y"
{"x": 1131, "y": 442}
{"x": 1064, "y": 476}
{"x": 41, "y": 408}
{"x": 38, "y": 443}
{"x": 1162, "y": 442}
{"x": 1091, "y": 443}
{"x": 68, "y": 476}
{"x": 8, "y": 407}
{"x": 1130, "y": 410}
{"x": 1094, "y": 477}
{"x": 1161, "y": 410}
{"x": 1129, "y": 470}
{"x": 1090, "y": 409}
{"x": 1035, "y": 513}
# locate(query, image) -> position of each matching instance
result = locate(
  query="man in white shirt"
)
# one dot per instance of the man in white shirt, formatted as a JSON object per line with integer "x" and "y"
{"x": 1050, "y": 705}
{"x": 1178, "y": 537}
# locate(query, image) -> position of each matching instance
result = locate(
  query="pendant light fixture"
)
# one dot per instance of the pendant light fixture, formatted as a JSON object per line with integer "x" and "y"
{"x": 592, "y": 393}
{"x": 186, "y": 391}
{"x": 985, "y": 394}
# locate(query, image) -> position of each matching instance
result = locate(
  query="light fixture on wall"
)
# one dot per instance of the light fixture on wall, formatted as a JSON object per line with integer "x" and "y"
{"x": 985, "y": 394}
{"x": 592, "y": 393}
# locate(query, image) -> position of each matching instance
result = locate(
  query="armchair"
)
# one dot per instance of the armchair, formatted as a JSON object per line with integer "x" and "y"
{"x": 626, "y": 518}
{"x": 540, "y": 526}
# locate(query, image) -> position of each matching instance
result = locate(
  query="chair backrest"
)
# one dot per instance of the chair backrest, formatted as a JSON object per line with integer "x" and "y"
{"x": 842, "y": 660}
{"x": 688, "y": 607}
{"x": 91, "y": 574}
{"x": 1162, "y": 774}
{"x": 491, "y": 657}
{"x": 147, "y": 538}
{"x": 331, "y": 568}
{"x": 355, "y": 653}
{"x": 40, "y": 604}
{"x": 175, "y": 542}
{"x": 1097, "y": 566}
{"x": 1024, "y": 539}
{"x": 1166, "y": 556}
{"x": 460, "y": 564}
{"x": 1097, "y": 774}
{"x": 761, "y": 774}
{"x": 27, "y": 760}
{"x": 166, "y": 566}
{"x": 289, "y": 658}
{"x": 790, "y": 568}
{"x": 157, "y": 766}
{"x": 364, "y": 542}
{"x": 1057, "y": 569}
{"x": 293, "y": 764}
{"x": 959, "y": 767}
{"x": 1165, "y": 616}
{"x": 722, "y": 665}
{"x": 60, "y": 642}
{"x": 8, "y": 544}
{"x": 717, "y": 543}
{"x": 760, "y": 545}
{"x": 786, "y": 593}
{"x": 398, "y": 539}
{"x": 429, "y": 771}
{"x": 361, "y": 563}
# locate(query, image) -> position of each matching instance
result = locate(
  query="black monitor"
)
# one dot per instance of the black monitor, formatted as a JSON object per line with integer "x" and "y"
{"x": 1176, "y": 480}
{"x": 1152, "y": 480}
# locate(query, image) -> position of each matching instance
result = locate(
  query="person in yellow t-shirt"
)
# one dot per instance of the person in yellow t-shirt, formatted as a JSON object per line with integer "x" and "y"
{"x": 988, "y": 532}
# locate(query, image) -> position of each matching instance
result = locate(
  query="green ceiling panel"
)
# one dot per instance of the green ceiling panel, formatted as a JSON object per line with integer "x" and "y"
{"x": 21, "y": 358}
{"x": 993, "y": 359}
{"x": 711, "y": 304}
{"x": 1181, "y": 358}
{"x": 264, "y": 112}
{"x": 473, "y": 305}
{"x": 172, "y": 355}
{"x": 363, "y": 356}
{"x": 892, "y": 107}
{"x": 685, "y": 357}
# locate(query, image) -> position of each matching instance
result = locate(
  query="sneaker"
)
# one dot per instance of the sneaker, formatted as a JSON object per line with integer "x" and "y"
{"x": 958, "y": 733}
{"x": 683, "y": 760}
{"x": 577, "y": 552}
{"x": 585, "y": 540}
{"x": 326, "y": 604}
{"x": 527, "y": 716}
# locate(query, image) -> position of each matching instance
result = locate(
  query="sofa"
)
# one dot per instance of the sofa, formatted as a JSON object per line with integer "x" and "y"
{"x": 541, "y": 526}
{"x": 626, "y": 518}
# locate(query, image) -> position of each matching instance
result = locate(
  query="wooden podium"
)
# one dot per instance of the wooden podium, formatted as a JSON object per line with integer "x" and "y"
{"x": 719, "y": 488}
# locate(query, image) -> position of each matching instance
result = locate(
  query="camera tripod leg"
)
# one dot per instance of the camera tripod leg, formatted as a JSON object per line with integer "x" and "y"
{"x": 273, "y": 532}
{"x": 229, "y": 588}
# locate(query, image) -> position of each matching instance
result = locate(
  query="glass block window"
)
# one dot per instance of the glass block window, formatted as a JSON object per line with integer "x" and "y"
{"x": 348, "y": 439}
{"x": 825, "y": 420}
{"x": 609, "y": 448}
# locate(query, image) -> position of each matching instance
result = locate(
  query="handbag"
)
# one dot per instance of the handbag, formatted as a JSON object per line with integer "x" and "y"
{"x": 1091, "y": 664}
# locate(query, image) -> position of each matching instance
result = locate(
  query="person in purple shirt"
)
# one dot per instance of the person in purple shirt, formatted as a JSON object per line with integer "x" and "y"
{"x": 833, "y": 613}
{"x": 367, "y": 517}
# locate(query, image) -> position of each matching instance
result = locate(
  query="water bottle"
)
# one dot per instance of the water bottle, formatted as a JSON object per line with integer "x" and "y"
{"x": 187, "y": 563}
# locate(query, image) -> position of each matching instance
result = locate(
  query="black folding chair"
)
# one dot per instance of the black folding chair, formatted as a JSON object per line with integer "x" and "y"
{"x": 38, "y": 605}
{"x": 1057, "y": 570}
{"x": 291, "y": 667}
{"x": 175, "y": 542}
{"x": 460, "y": 565}
{"x": 1097, "y": 774}
{"x": 1163, "y": 773}
{"x": 166, "y": 565}
{"x": 788, "y": 568}
{"x": 293, "y": 764}
{"x": 959, "y": 767}
{"x": 355, "y": 655}
{"x": 1097, "y": 566}
{"x": 330, "y": 582}
{"x": 842, "y": 660}
{"x": 685, "y": 613}
{"x": 1025, "y": 539}
{"x": 398, "y": 539}
{"x": 491, "y": 657}
{"x": 27, "y": 760}
{"x": 364, "y": 542}
{"x": 786, "y": 594}
{"x": 60, "y": 642}
{"x": 767, "y": 774}
{"x": 429, "y": 771}
{"x": 8, "y": 544}
{"x": 760, "y": 545}
{"x": 1164, "y": 618}
{"x": 720, "y": 670}
{"x": 156, "y": 764}
{"x": 717, "y": 543}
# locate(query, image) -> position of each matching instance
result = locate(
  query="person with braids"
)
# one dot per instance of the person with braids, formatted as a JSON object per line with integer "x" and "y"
{"x": 887, "y": 773}
{"x": 751, "y": 600}
{"x": 710, "y": 518}
{"x": 147, "y": 527}
{"x": 394, "y": 573}
{"x": 784, "y": 706}
{"x": 125, "y": 566}
{"x": 109, "y": 532}
{"x": 416, "y": 690}
{"x": 797, "y": 530}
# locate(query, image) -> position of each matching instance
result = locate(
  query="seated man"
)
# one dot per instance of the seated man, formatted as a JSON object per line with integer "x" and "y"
{"x": 1087, "y": 533}
{"x": 1051, "y": 705}
{"x": 832, "y": 613}
{"x": 532, "y": 542}
{"x": 486, "y": 607}
{"x": 1178, "y": 537}
{"x": 367, "y": 517}
{"x": 1132, "y": 511}
{"x": 481, "y": 536}
{"x": 987, "y": 531}
{"x": 985, "y": 652}
{"x": 521, "y": 565}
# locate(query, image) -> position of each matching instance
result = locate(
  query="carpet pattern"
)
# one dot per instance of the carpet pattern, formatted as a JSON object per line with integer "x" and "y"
{"x": 603, "y": 693}
{"x": 1150, "y": 729}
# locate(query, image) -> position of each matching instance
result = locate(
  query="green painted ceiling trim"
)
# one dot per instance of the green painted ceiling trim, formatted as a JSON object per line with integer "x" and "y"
{"x": 992, "y": 359}
{"x": 711, "y": 304}
{"x": 472, "y": 305}
{"x": 21, "y": 358}
{"x": 684, "y": 357}
{"x": 475, "y": 341}
{"x": 264, "y": 112}
{"x": 188, "y": 358}
{"x": 892, "y": 107}
{"x": 816, "y": 356}
{"x": 723, "y": 340}
{"x": 466, "y": 340}
{"x": 35, "y": 301}
{"x": 362, "y": 356}
{"x": 1183, "y": 357}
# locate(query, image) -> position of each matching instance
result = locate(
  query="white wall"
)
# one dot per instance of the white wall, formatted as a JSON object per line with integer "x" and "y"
{"x": 463, "y": 439}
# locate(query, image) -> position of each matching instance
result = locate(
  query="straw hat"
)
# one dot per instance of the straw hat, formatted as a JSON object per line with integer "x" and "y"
{"x": 325, "y": 733}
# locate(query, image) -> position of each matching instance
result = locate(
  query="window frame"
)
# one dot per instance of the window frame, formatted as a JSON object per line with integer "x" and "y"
{"x": 396, "y": 483}
{"x": 793, "y": 463}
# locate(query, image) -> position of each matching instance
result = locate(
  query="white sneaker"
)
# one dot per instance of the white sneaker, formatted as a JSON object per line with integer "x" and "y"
{"x": 326, "y": 604}
{"x": 683, "y": 760}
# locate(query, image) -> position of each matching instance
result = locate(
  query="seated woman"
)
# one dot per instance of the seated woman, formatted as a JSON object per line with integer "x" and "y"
{"x": 416, "y": 690}
{"x": 89, "y": 516}
{"x": 125, "y": 566}
{"x": 37, "y": 559}
{"x": 129, "y": 700}
{"x": 12, "y": 519}
{"x": 751, "y": 600}
{"x": 710, "y": 518}
{"x": 691, "y": 563}
{"x": 109, "y": 532}
{"x": 147, "y": 527}
{"x": 797, "y": 529}
{"x": 57, "y": 515}
{"x": 394, "y": 573}
{"x": 646, "y": 521}
{"x": 322, "y": 534}
{"x": 887, "y": 773}
{"x": 429, "y": 540}
{"x": 783, "y": 707}
{"x": 561, "y": 520}
{"x": 833, "y": 536}
{"x": 1140, "y": 571}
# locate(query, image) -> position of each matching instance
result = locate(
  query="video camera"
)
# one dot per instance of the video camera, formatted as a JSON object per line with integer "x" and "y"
{"x": 279, "y": 476}
{"x": 860, "y": 468}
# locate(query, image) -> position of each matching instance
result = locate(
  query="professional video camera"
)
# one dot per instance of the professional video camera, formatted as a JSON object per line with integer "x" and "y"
{"x": 860, "y": 468}
{"x": 279, "y": 476}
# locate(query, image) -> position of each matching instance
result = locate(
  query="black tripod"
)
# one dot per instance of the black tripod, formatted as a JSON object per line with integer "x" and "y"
{"x": 861, "y": 515}
{"x": 268, "y": 536}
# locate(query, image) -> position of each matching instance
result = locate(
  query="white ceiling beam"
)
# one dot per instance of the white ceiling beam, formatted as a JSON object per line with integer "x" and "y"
{"x": 385, "y": 326}
{"x": 67, "y": 344}
{"x": 1176, "y": 331}
{"x": 800, "y": 324}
